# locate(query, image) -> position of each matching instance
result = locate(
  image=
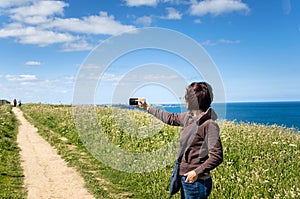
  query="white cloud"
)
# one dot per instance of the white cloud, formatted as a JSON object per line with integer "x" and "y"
{"x": 145, "y": 21}
{"x": 111, "y": 77}
{"x": 69, "y": 78}
{"x": 33, "y": 63}
{"x": 172, "y": 14}
{"x": 28, "y": 83}
{"x": 35, "y": 12}
{"x": 129, "y": 79}
{"x": 133, "y": 3}
{"x": 92, "y": 67}
{"x": 100, "y": 24}
{"x": 152, "y": 77}
{"x": 35, "y": 20}
{"x": 41, "y": 8}
{"x": 34, "y": 35}
{"x": 29, "y": 88}
{"x": 220, "y": 41}
{"x": 139, "y": 78}
{"x": 77, "y": 46}
{"x": 197, "y": 21}
{"x": 209, "y": 43}
{"x": 10, "y": 3}
{"x": 41, "y": 23}
{"x": 153, "y": 3}
{"x": 217, "y": 7}
{"x": 226, "y": 41}
{"x": 44, "y": 38}
{"x": 14, "y": 78}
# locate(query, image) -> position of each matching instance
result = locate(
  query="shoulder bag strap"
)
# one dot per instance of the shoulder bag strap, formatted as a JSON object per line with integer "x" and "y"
{"x": 185, "y": 145}
{"x": 192, "y": 132}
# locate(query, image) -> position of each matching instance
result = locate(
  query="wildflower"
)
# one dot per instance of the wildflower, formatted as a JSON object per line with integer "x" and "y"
{"x": 292, "y": 145}
{"x": 275, "y": 143}
{"x": 63, "y": 139}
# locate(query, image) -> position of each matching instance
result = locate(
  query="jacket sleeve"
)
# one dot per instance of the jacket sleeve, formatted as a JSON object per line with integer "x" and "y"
{"x": 173, "y": 119}
{"x": 215, "y": 150}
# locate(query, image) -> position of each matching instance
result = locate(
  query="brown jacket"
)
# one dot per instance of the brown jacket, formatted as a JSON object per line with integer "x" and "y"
{"x": 204, "y": 151}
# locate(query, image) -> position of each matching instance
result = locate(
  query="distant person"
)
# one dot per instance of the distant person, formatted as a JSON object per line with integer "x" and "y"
{"x": 20, "y": 103}
{"x": 15, "y": 102}
{"x": 204, "y": 153}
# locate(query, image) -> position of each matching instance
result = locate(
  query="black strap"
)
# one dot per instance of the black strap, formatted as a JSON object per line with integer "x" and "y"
{"x": 186, "y": 142}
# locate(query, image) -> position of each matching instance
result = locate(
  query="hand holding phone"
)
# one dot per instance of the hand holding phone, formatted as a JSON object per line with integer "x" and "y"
{"x": 140, "y": 102}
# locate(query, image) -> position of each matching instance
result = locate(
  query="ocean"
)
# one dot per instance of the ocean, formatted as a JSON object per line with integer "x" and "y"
{"x": 285, "y": 114}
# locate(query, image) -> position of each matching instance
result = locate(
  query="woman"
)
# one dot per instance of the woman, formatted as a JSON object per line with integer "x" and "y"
{"x": 204, "y": 151}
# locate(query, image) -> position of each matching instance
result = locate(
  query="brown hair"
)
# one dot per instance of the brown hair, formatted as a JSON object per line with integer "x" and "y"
{"x": 198, "y": 96}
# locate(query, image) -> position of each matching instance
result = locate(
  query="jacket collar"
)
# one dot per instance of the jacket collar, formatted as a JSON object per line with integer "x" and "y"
{"x": 208, "y": 114}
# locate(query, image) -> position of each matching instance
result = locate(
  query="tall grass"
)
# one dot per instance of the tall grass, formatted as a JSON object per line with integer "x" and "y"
{"x": 11, "y": 173}
{"x": 259, "y": 161}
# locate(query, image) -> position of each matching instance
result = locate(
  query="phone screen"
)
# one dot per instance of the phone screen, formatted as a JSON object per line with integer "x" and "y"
{"x": 133, "y": 101}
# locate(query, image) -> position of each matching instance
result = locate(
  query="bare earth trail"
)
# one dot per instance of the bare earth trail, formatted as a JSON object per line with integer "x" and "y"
{"x": 46, "y": 173}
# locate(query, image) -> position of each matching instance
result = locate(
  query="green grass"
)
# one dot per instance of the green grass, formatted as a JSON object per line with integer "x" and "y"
{"x": 11, "y": 173}
{"x": 259, "y": 161}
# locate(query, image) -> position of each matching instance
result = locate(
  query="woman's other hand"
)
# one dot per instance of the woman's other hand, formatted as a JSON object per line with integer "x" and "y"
{"x": 191, "y": 177}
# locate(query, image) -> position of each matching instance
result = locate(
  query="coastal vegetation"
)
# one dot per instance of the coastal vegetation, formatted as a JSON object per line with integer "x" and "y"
{"x": 259, "y": 161}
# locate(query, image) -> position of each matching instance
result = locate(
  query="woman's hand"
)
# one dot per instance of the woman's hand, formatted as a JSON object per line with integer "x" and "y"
{"x": 191, "y": 177}
{"x": 143, "y": 104}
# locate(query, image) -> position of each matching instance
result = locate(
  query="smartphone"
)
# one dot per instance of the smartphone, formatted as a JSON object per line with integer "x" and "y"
{"x": 133, "y": 101}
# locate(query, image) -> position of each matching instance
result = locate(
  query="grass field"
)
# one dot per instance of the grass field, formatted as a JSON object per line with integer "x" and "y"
{"x": 11, "y": 173}
{"x": 259, "y": 161}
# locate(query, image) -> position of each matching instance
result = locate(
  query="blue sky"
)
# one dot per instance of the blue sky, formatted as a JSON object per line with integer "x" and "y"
{"x": 255, "y": 46}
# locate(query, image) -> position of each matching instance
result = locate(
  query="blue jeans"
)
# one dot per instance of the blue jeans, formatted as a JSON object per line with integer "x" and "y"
{"x": 200, "y": 189}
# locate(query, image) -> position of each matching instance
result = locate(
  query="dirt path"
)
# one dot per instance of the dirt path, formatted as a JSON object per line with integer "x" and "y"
{"x": 46, "y": 174}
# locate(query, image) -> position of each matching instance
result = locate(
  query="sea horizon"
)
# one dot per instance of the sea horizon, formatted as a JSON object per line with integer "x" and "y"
{"x": 281, "y": 113}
